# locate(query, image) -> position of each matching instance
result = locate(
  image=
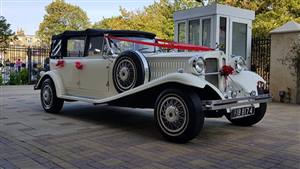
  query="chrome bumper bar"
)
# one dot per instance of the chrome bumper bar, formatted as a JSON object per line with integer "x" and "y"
{"x": 236, "y": 102}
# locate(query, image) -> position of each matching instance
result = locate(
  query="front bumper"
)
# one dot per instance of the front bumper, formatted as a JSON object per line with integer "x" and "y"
{"x": 236, "y": 102}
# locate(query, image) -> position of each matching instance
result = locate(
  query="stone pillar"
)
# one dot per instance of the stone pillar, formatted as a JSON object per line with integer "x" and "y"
{"x": 282, "y": 82}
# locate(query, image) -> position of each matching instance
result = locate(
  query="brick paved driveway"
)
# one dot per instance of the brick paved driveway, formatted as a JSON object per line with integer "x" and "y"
{"x": 87, "y": 136}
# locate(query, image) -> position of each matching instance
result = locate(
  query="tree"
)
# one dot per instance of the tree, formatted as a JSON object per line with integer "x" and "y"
{"x": 61, "y": 16}
{"x": 6, "y": 34}
{"x": 156, "y": 18}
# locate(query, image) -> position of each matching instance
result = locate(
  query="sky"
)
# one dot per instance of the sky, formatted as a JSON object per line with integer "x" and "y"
{"x": 27, "y": 14}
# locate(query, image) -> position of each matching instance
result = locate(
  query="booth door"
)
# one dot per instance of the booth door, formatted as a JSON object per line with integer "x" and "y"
{"x": 241, "y": 38}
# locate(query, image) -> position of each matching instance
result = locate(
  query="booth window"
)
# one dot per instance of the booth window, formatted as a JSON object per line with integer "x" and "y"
{"x": 194, "y": 32}
{"x": 206, "y": 32}
{"x": 222, "y": 34}
{"x": 239, "y": 39}
{"x": 75, "y": 47}
{"x": 95, "y": 45}
{"x": 181, "y": 32}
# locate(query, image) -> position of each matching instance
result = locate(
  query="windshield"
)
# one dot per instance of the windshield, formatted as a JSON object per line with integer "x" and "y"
{"x": 120, "y": 46}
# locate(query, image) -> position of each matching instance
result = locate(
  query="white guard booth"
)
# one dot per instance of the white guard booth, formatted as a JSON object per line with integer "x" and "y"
{"x": 228, "y": 28}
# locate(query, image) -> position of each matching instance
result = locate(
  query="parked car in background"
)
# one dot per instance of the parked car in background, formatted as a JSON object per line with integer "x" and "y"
{"x": 126, "y": 68}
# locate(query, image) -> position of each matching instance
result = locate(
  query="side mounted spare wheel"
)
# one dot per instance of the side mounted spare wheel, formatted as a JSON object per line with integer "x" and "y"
{"x": 130, "y": 70}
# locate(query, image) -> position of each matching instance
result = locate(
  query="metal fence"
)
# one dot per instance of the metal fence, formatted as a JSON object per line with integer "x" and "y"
{"x": 31, "y": 58}
{"x": 260, "y": 57}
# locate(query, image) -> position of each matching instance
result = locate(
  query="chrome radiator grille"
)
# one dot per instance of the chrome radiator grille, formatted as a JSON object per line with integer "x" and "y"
{"x": 212, "y": 66}
{"x": 163, "y": 66}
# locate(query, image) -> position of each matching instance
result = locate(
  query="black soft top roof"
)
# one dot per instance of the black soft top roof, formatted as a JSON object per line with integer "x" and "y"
{"x": 99, "y": 32}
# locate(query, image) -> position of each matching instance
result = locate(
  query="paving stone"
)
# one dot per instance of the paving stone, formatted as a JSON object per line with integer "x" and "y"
{"x": 87, "y": 136}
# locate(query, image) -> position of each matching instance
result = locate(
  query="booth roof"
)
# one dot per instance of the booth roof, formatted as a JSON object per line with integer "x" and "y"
{"x": 95, "y": 32}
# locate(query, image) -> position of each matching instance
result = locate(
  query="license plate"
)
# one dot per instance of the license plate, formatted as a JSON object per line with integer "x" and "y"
{"x": 242, "y": 112}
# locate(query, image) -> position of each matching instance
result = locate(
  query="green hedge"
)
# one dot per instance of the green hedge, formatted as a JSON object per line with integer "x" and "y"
{"x": 1, "y": 80}
{"x": 19, "y": 78}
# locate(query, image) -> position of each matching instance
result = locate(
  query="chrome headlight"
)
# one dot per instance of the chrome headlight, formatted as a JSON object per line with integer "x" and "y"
{"x": 198, "y": 66}
{"x": 239, "y": 64}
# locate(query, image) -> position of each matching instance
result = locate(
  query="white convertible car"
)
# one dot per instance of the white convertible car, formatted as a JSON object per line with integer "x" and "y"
{"x": 95, "y": 66}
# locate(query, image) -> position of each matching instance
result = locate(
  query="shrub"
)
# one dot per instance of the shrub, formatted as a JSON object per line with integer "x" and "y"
{"x": 18, "y": 78}
{"x": 1, "y": 80}
{"x": 14, "y": 78}
{"x": 24, "y": 74}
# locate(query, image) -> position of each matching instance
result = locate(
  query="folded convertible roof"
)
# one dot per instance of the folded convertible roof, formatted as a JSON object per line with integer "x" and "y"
{"x": 101, "y": 32}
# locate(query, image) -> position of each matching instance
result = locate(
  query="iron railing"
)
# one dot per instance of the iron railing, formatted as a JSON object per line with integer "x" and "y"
{"x": 32, "y": 58}
{"x": 260, "y": 57}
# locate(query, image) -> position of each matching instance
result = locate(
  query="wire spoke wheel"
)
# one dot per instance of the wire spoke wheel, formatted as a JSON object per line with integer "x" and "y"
{"x": 178, "y": 114}
{"x": 126, "y": 75}
{"x": 130, "y": 69}
{"x": 173, "y": 115}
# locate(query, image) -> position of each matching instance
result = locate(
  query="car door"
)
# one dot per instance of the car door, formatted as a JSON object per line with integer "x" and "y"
{"x": 72, "y": 51}
{"x": 95, "y": 72}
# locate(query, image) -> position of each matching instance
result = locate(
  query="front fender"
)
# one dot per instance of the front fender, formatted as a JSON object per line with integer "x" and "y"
{"x": 53, "y": 75}
{"x": 247, "y": 80}
{"x": 185, "y": 79}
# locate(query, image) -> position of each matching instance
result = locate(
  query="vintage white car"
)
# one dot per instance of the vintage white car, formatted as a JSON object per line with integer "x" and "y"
{"x": 183, "y": 87}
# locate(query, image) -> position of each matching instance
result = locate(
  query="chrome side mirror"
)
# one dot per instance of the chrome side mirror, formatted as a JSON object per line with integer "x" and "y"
{"x": 97, "y": 51}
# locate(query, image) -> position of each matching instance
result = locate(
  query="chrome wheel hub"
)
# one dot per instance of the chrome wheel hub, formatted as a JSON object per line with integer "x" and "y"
{"x": 124, "y": 73}
{"x": 171, "y": 113}
{"x": 47, "y": 96}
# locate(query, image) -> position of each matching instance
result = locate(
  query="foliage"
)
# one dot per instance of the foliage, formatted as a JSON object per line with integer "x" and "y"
{"x": 186, "y": 4}
{"x": 1, "y": 80}
{"x": 19, "y": 78}
{"x": 61, "y": 16}
{"x": 158, "y": 18}
{"x": 6, "y": 34}
{"x": 14, "y": 78}
{"x": 24, "y": 75}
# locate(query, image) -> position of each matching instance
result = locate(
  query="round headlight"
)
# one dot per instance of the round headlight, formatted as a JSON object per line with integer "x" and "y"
{"x": 198, "y": 66}
{"x": 240, "y": 64}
